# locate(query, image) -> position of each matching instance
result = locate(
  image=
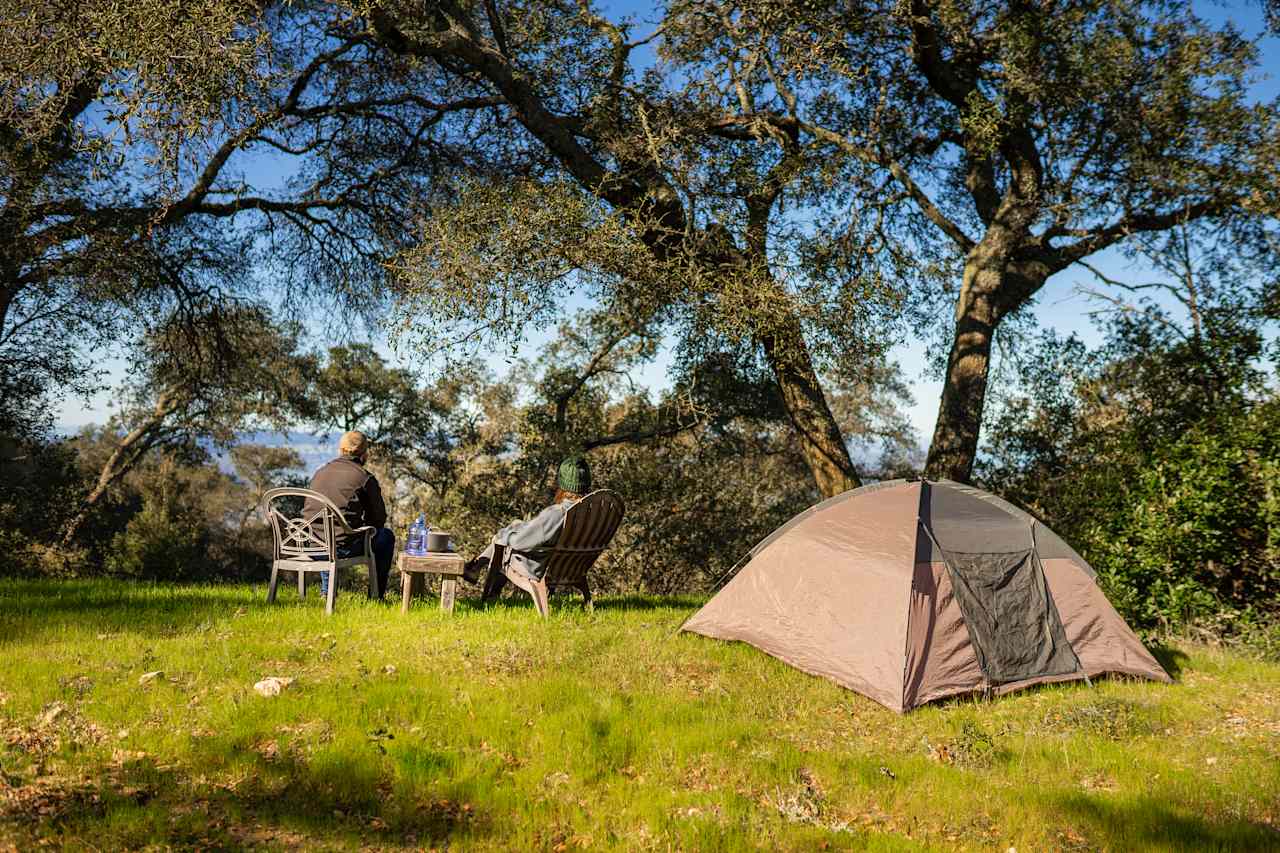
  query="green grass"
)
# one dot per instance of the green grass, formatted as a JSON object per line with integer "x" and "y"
{"x": 495, "y": 730}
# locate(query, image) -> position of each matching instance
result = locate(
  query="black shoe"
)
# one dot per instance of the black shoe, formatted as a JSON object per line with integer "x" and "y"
{"x": 474, "y": 570}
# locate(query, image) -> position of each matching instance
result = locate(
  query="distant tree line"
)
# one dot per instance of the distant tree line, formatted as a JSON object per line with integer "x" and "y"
{"x": 707, "y": 468}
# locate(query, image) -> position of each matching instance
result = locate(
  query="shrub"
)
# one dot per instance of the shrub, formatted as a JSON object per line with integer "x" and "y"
{"x": 159, "y": 544}
{"x": 1197, "y": 534}
{"x": 1158, "y": 458}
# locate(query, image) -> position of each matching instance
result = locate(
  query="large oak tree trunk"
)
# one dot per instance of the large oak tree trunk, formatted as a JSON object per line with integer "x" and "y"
{"x": 956, "y": 434}
{"x": 999, "y": 277}
{"x": 820, "y": 440}
{"x": 9, "y": 285}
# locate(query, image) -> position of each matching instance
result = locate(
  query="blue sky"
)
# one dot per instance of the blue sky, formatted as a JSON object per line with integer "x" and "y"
{"x": 1059, "y": 305}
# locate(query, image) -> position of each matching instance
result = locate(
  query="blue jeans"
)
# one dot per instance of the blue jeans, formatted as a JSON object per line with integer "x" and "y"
{"x": 384, "y": 546}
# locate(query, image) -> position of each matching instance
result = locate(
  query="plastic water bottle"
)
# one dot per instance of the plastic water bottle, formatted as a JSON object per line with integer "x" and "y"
{"x": 416, "y": 544}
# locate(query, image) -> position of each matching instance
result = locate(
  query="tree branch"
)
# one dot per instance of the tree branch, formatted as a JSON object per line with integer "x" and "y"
{"x": 1134, "y": 223}
{"x": 931, "y": 211}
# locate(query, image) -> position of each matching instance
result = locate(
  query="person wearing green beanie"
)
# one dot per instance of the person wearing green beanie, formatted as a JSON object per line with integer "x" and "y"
{"x": 526, "y": 541}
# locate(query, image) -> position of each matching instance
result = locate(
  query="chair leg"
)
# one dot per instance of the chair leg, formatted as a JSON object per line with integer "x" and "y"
{"x": 302, "y": 584}
{"x": 587, "y": 602}
{"x": 538, "y": 590}
{"x": 333, "y": 591}
{"x": 275, "y": 579}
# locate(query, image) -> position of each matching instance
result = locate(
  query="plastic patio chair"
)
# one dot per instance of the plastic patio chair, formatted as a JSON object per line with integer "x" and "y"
{"x": 308, "y": 543}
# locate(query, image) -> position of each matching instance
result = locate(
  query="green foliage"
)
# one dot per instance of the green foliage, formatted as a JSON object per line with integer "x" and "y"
{"x": 174, "y": 516}
{"x": 1196, "y": 537}
{"x": 41, "y": 482}
{"x": 1158, "y": 458}
{"x": 158, "y": 544}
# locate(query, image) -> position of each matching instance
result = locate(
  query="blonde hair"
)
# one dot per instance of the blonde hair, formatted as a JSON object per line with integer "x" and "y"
{"x": 353, "y": 443}
{"x": 564, "y": 495}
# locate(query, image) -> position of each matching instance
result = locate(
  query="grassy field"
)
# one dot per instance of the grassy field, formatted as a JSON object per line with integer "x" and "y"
{"x": 493, "y": 730}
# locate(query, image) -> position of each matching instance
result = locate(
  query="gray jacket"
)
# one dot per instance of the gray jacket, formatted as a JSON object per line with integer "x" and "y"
{"x": 529, "y": 541}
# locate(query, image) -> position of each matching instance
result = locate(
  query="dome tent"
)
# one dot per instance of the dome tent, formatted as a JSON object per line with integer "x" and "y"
{"x": 911, "y": 591}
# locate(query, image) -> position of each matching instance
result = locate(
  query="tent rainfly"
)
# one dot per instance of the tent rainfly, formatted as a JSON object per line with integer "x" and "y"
{"x": 912, "y": 591}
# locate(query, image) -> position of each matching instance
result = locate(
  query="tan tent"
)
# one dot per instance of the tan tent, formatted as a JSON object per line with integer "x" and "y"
{"x": 910, "y": 591}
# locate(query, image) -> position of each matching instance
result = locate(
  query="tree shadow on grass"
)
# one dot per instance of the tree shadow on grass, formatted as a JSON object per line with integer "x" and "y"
{"x": 571, "y": 601}
{"x": 1150, "y": 823}
{"x": 1073, "y": 689}
{"x": 1170, "y": 658}
{"x": 288, "y": 804}
{"x": 30, "y": 609}
{"x": 33, "y": 609}
{"x": 643, "y": 602}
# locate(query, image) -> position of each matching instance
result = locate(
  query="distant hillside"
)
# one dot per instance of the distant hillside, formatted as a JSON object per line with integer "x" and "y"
{"x": 314, "y": 450}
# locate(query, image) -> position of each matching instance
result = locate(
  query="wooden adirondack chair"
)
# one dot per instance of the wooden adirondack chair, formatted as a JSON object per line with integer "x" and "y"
{"x": 589, "y": 526}
{"x": 302, "y": 548}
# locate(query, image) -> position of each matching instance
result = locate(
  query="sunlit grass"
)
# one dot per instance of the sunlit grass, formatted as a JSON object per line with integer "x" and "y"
{"x": 492, "y": 729}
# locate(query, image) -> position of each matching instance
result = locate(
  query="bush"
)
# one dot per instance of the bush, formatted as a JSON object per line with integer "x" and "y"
{"x": 1196, "y": 537}
{"x": 1158, "y": 458}
{"x": 157, "y": 545}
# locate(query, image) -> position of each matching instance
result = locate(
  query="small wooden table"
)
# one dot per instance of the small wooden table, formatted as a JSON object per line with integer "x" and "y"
{"x": 446, "y": 564}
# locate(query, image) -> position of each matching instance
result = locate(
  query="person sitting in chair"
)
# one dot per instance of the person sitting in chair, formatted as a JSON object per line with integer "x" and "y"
{"x": 356, "y": 493}
{"x": 524, "y": 541}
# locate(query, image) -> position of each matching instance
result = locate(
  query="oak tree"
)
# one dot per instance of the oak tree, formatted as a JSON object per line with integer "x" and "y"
{"x": 1027, "y": 138}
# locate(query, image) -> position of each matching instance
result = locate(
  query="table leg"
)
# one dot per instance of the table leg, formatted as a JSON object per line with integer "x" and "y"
{"x": 406, "y": 586}
{"x": 448, "y": 586}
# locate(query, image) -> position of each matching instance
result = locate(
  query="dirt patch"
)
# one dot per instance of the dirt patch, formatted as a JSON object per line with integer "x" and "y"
{"x": 49, "y": 798}
{"x": 805, "y": 801}
{"x": 57, "y": 725}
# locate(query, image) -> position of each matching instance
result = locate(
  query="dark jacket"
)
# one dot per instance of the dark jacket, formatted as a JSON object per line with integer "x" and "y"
{"x": 529, "y": 541}
{"x": 353, "y": 490}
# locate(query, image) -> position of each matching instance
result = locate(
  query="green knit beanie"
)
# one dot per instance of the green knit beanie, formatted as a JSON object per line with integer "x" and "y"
{"x": 574, "y": 475}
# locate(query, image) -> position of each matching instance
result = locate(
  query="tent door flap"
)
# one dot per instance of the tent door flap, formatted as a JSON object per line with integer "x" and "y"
{"x": 1012, "y": 620}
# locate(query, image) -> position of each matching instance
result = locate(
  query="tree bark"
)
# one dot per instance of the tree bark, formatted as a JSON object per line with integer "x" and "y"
{"x": 959, "y": 424}
{"x": 823, "y": 446}
{"x": 7, "y": 294}
{"x": 998, "y": 279}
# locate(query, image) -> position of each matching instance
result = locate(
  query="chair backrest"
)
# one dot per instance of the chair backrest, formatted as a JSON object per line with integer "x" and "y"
{"x": 589, "y": 526}
{"x": 304, "y": 535}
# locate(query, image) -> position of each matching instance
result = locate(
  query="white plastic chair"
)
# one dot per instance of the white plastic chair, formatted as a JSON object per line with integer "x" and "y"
{"x": 308, "y": 543}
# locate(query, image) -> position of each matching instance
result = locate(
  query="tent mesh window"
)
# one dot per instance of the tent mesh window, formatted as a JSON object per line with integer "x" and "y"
{"x": 1012, "y": 621}
{"x": 999, "y": 583}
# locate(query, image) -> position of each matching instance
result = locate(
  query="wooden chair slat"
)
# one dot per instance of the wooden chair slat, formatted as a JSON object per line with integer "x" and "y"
{"x": 589, "y": 526}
